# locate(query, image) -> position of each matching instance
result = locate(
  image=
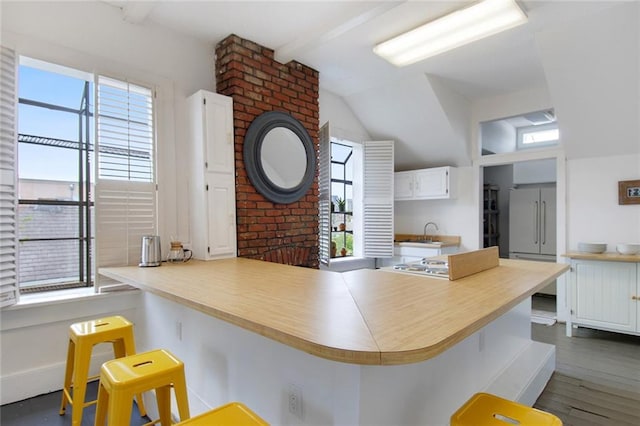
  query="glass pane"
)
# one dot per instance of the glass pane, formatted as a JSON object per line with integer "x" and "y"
{"x": 39, "y": 121}
{"x": 53, "y": 168}
{"x": 47, "y": 221}
{"x": 46, "y": 262}
{"x": 49, "y": 87}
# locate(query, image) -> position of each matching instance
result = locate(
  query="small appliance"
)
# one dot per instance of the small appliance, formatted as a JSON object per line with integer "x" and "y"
{"x": 151, "y": 255}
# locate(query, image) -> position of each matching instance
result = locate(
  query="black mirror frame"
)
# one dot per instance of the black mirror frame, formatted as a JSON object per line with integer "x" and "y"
{"x": 252, "y": 148}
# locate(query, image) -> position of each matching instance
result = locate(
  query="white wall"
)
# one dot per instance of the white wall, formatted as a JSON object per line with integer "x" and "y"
{"x": 593, "y": 212}
{"x": 95, "y": 38}
{"x": 343, "y": 124}
{"x": 453, "y": 217}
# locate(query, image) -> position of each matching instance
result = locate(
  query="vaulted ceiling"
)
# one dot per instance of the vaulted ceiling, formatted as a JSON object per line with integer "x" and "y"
{"x": 424, "y": 107}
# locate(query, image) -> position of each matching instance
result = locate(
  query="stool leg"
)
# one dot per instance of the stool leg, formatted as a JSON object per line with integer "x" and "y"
{"x": 119, "y": 408}
{"x": 68, "y": 374}
{"x": 101, "y": 407}
{"x": 125, "y": 347}
{"x": 180, "y": 389}
{"x": 82, "y": 360}
{"x": 163, "y": 399}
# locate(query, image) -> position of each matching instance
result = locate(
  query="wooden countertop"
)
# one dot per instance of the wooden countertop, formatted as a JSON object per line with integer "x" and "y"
{"x": 608, "y": 256}
{"x": 363, "y": 317}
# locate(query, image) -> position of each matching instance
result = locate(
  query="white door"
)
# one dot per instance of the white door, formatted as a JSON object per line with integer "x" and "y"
{"x": 403, "y": 185}
{"x": 431, "y": 183}
{"x": 221, "y": 219}
{"x": 602, "y": 295}
{"x": 218, "y": 122}
{"x": 524, "y": 220}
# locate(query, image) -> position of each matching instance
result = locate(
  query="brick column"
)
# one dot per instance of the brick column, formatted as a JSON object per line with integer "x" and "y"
{"x": 257, "y": 83}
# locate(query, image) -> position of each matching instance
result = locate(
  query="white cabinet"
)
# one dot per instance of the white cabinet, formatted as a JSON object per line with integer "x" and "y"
{"x": 425, "y": 184}
{"x": 212, "y": 198}
{"x": 604, "y": 295}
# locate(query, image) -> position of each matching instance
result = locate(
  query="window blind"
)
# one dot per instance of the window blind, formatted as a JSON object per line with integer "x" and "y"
{"x": 125, "y": 186}
{"x": 324, "y": 192}
{"x": 9, "y": 291}
{"x": 378, "y": 198}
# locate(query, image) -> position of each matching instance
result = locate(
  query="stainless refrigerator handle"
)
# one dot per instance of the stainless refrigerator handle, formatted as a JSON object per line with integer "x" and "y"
{"x": 536, "y": 227}
{"x": 544, "y": 222}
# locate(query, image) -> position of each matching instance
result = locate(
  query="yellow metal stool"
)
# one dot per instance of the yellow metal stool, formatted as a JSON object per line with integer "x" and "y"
{"x": 234, "y": 413}
{"x": 122, "y": 378}
{"x": 484, "y": 409}
{"x": 83, "y": 336}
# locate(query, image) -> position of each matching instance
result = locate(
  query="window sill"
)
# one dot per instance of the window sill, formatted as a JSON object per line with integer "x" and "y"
{"x": 47, "y": 298}
{"x": 348, "y": 263}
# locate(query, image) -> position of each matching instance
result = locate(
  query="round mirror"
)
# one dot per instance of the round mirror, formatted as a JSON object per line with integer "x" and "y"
{"x": 279, "y": 157}
{"x": 283, "y": 158}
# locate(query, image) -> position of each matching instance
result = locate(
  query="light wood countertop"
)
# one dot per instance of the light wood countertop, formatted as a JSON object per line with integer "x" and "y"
{"x": 608, "y": 256}
{"x": 363, "y": 317}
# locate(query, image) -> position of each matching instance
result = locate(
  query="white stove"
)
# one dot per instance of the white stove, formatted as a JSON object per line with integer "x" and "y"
{"x": 427, "y": 267}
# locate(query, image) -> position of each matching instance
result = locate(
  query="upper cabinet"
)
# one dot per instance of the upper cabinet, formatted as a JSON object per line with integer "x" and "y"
{"x": 212, "y": 203}
{"x": 425, "y": 184}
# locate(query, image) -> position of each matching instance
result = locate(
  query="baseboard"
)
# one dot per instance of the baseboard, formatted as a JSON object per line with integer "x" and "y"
{"x": 525, "y": 378}
{"x": 29, "y": 383}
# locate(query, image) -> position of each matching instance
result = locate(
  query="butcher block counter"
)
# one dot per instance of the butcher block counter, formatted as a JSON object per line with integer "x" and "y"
{"x": 364, "y": 317}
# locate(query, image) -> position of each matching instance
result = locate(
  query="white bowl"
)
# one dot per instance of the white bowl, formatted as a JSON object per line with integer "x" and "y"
{"x": 628, "y": 248}
{"x": 592, "y": 247}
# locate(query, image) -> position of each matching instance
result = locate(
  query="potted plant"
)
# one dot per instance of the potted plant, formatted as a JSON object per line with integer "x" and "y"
{"x": 341, "y": 204}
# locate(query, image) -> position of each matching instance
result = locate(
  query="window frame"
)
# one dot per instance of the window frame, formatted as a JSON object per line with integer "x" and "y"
{"x": 521, "y": 131}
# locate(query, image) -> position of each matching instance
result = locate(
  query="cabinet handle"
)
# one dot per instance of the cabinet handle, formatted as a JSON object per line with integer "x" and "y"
{"x": 544, "y": 222}
{"x": 635, "y": 298}
{"x": 536, "y": 228}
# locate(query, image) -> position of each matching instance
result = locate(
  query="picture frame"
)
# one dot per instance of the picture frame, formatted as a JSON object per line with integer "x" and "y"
{"x": 629, "y": 192}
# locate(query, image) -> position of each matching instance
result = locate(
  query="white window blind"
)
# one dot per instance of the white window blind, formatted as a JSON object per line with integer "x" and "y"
{"x": 125, "y": 158}
{"x": 8, "y": 201}
{"x": 324, "y": 190}
{"x": 378, "y": 198}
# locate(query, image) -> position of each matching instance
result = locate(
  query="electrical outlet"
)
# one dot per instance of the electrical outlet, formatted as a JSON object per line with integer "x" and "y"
{"x": 295, "y": 401}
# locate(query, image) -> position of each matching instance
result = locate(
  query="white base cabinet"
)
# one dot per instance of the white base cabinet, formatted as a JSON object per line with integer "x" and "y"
{"x": 604, "y": 295}
{"x": 212, "y": 196}
{"x": 425, "y": 184}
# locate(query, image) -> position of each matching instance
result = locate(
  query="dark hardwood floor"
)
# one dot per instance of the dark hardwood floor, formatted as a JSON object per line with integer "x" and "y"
{"x": 597, "y": 377}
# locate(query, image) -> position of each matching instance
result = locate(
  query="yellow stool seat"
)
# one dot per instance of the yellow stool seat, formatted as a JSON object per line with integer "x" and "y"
{"x": 122, "y": 378}
{"x": 484, "y": 409}
{"x": 83, "y": 336}
{"x": 234, "y": 413}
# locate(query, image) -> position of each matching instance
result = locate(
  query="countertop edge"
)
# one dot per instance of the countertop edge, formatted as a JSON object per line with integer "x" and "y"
{"x": 607, "y": 256}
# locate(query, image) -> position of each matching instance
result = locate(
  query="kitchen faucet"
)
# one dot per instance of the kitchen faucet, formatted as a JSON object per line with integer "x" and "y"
{"x": 424, "y": 232}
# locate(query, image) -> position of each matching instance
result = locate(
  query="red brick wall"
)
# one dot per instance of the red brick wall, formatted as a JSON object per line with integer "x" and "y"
{"x": 257, "y": 83}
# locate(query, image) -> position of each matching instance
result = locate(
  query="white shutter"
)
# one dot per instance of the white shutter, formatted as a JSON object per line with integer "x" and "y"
{"x": 8, "y": 201}
{"x": 378, "y": 199}
{"x": 125, "y": 158}
{"x": 324, "y": 192}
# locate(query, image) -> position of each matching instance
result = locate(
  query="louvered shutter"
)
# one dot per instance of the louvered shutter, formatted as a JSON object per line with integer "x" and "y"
{"x": 9, "y": 291}
{"x": 324, "y": 189}
{"x": 378, "y": 198}
{"x": 125, "y": 159}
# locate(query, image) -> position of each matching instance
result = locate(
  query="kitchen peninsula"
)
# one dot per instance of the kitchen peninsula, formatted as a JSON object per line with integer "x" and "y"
{"x": 363, "y": 347}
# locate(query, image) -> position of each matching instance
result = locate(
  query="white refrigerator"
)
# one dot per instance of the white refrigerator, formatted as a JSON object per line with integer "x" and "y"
{"x": 532, "y": 225}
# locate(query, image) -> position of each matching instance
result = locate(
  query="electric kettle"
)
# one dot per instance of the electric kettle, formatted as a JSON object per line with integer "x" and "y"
{"x": 150, "y": 255}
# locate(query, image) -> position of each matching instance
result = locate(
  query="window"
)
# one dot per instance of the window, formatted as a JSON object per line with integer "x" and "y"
{"x": 86, "y": 190}
{"x": 361, "y": 176}
{"x": 542, "y": 135}
{"x": 342, "y": 202}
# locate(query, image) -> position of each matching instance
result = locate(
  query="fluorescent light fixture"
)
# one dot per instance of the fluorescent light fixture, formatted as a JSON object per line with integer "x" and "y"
{"x": 463, "y": 26}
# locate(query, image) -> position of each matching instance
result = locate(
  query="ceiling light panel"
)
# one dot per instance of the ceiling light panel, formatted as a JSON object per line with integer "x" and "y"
{"x": 461, "y": 27}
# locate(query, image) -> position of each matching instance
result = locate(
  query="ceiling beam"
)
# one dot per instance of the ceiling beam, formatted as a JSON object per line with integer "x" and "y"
{"x": 313, "y": 39}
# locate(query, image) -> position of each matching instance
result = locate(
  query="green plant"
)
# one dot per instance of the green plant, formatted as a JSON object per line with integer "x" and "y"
{"x": 341, "y": 204}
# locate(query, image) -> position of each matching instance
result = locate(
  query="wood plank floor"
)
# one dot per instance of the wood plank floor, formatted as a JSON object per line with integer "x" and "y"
{"x": 597, "y": 378}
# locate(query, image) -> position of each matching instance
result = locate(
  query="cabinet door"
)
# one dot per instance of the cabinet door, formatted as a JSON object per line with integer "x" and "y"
{"x": 221, "y": 221}
{"x": 432, "y": 183}
{"x": 547, "y": 221}
{"x": 403, "y": 185}
{"x": 218, "y": 123}
{"x": 524, "y": 220}
{"x": 602, "y": 294}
